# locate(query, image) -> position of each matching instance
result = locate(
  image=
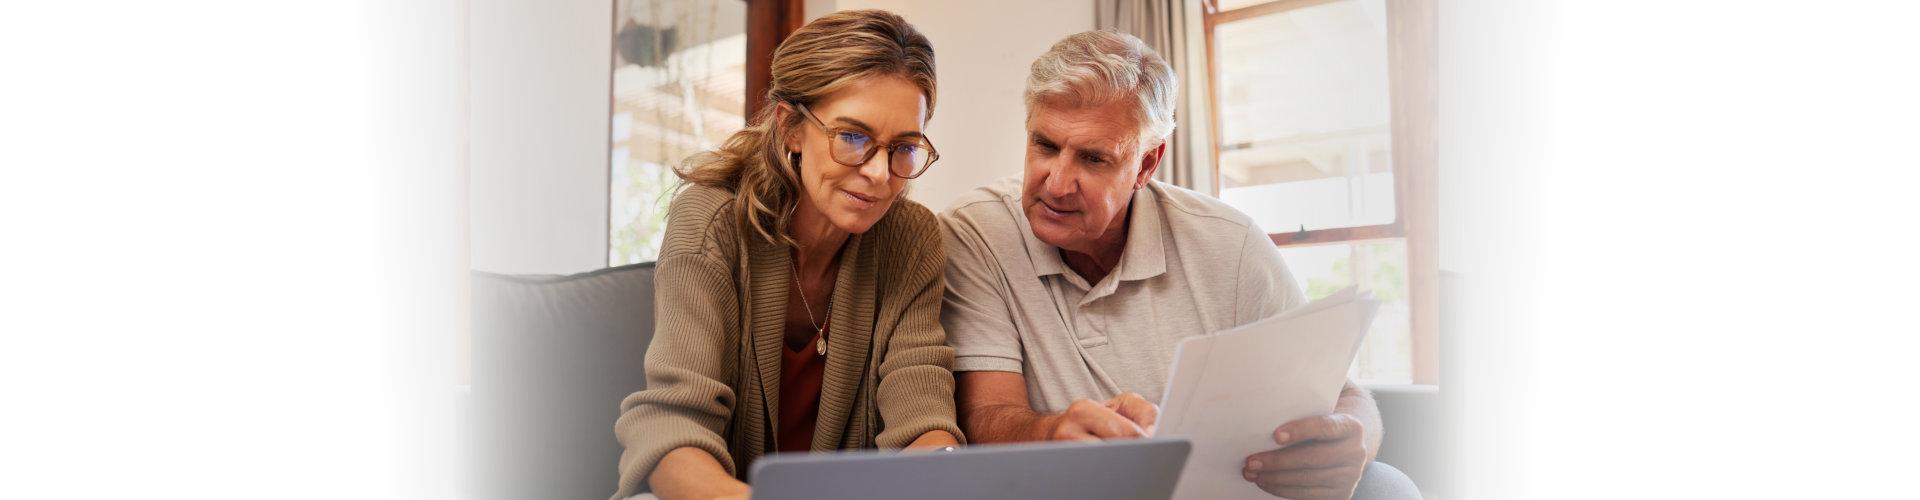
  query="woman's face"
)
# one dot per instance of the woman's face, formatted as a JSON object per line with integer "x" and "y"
{"x": 886, "y": 110}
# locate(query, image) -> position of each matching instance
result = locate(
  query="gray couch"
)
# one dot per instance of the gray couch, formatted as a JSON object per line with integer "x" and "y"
{"x": 554, "y": 355}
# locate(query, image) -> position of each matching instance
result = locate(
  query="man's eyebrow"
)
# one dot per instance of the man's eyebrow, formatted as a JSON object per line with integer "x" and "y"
{"x": 1103, "y": 153}
{"x": 1107, "y": 153}
{"x": 865, "y": 126}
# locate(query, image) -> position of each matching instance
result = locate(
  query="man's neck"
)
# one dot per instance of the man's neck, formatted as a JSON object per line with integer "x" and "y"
{"x": 1097, "y": 261}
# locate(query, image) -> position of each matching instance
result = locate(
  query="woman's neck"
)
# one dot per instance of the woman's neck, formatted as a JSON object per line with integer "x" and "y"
{"x": 819, "y": 240}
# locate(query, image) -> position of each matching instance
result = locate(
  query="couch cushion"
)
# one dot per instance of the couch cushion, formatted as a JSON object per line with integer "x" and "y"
{"x": 552, "y": 358}
{"x": 1411, "y": 415}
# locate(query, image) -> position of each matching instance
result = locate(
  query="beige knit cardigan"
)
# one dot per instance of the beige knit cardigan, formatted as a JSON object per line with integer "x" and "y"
{"x": 713, "y": 369}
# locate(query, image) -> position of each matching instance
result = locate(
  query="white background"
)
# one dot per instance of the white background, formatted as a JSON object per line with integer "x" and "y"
{"x": 235, "y": 247}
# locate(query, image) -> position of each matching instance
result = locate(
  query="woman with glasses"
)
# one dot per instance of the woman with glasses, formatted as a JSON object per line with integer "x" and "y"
{"x": 798, "y": 291}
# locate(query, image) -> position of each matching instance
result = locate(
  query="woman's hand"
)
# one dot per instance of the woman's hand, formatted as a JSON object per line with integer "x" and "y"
{"x": 932, "y": 440}
{"x": 691, "y": 473}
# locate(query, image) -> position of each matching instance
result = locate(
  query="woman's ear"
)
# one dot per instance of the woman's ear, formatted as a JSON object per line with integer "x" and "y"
{"x": 789, "y": 137}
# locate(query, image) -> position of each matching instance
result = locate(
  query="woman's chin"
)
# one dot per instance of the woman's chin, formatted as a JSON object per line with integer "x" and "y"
{"x": 857, "y": 222}
{"x": 856, "y": 228}
{"x": 852, "y": 215}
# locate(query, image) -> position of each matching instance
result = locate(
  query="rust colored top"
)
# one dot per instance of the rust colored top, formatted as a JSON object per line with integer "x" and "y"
{"x": 800, "y": 373}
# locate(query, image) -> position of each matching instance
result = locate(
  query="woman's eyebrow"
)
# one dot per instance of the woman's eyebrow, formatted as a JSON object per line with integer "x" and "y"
{"x": 856, "y": 123}
{"x": 863, "y": 125}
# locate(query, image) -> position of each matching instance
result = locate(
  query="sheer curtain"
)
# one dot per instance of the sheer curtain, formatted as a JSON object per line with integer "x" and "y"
{"x": 1172, "y": 28}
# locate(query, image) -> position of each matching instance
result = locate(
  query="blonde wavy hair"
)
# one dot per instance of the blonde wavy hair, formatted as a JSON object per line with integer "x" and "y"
{"x": 817, "y": 60}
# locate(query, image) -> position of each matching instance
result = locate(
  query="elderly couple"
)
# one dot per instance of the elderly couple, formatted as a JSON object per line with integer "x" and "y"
{"x": 805, "y": 305}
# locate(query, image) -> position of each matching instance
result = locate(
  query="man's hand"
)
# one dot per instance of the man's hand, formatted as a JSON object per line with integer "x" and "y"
{"x": 993, "y": 409}
{"x": 1137, "y": 409}
{"x": 1125, "y": 417}
{"x": 1320, "y": 457}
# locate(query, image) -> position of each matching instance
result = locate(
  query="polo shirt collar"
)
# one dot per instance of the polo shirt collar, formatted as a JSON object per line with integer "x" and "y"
{"x": 1145, "y": 256}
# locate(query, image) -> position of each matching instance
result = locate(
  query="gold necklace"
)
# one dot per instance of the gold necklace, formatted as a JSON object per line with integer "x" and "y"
{"x": 818, "y": 328}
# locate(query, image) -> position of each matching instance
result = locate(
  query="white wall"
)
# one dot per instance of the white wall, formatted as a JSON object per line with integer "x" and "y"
{"x": 981, "y": 50}
{"x": 539, "y": 76}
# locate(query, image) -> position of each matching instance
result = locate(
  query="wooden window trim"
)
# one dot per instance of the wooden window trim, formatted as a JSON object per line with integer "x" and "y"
{"x": 1257, "y": 10}
{"x": 1412, "y": 57}
{"x": 1413, "y": 66}
{"x": 768, "y": 23}
{"x": 1337, "y": 235}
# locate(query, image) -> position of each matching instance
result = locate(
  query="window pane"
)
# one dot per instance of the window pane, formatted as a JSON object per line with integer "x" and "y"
{"x": 1304, "y": 117}
{"x": 679, "y": 79}
{"x": 1386, "y": 354}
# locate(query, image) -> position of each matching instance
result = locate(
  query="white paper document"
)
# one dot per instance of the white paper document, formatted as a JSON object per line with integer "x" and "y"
{"x": 1228, "y": 391}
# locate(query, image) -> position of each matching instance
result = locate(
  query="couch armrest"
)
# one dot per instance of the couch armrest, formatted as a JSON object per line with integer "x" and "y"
{"x": 1412, "y": 417}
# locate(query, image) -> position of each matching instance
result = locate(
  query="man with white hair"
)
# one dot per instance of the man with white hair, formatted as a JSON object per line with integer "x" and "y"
{"x": 1068, "y": 287}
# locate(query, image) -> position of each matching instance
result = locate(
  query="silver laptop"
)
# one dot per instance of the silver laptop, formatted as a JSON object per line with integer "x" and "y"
{"x": 1131, "y": 469}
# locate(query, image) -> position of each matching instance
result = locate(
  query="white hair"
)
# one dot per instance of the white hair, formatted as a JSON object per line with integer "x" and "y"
{"x": 1094, "y": 68}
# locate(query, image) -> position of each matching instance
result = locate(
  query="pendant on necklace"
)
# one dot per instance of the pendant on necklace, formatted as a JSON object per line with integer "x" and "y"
{"x": 822, "y": 349}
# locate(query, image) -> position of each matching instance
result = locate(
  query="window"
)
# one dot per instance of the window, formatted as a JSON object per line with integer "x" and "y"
{"x": 1304, "y": 138}
{"x": 1378, "y": 266}
{"x": 1312, "y": 103}
{"x": 679, "y": 69}
{"x": 683, "y": 71}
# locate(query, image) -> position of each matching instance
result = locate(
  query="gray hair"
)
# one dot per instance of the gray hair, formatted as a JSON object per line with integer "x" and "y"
{"x": 1094, "y": 68}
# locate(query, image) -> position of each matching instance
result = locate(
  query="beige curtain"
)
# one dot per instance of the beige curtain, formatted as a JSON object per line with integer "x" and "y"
{"x": 1173, "y": 28}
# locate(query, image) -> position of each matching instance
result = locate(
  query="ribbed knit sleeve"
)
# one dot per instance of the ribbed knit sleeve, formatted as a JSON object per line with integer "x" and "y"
{"x": 915, "y": 393}
{"x": 687, "y": 402}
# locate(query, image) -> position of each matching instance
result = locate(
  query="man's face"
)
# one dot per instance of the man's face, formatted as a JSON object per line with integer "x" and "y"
{"x": 1083, "y": 165}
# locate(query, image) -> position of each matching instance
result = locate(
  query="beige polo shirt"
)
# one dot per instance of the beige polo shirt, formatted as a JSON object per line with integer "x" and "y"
{"x": 1192, "y": 266}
